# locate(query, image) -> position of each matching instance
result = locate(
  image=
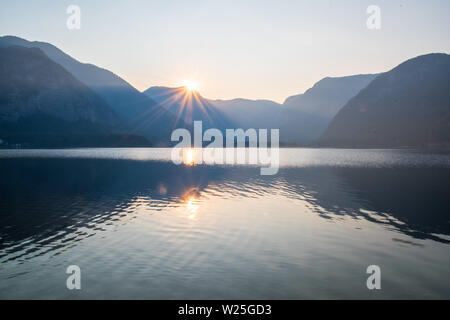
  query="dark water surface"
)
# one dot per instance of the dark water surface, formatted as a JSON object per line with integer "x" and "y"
{"x": 140, "y": 227}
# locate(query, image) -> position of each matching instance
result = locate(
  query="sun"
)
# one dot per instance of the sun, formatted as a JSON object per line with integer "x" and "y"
{"x": 189, "y": 157}
{"x": 191, "y": 85}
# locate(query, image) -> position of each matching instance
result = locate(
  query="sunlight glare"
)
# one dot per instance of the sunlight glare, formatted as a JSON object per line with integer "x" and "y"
{"x": 192, "y": 206}
{"x": 191, "y": 85}
{"x": 189, "y": 155}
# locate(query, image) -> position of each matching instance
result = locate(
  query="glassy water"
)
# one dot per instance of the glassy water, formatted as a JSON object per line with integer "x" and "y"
{"x": 141, "y": 227}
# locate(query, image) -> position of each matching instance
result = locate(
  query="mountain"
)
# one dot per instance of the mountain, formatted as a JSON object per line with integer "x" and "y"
{"x": 188, "y": 106}
{"x": 31, "y": 83}
{"x": 302, "y": 118}
{"x": 328, "y": 95}
{"x": 137, "y": 112}
{"x": 251, "y": 113}
{"x": 408, "y": 106}
{"x": 238, "y": 113}
{"x": 296, "y": 127}
{"x": 159, "y": 110}
{"x": 42, "y": 104}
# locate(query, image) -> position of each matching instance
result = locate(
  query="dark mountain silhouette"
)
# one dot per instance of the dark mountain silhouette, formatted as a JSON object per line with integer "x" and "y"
{"x": 42, "y": 104}
{"x": 137, "y": 112}
{"x": 188, "y": 106}
{"x": 408, "y": 106}
{"x": 31, "y": 83}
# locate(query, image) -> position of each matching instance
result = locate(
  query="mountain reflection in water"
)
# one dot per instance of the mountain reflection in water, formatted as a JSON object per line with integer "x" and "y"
{"x": 156, "y": 213}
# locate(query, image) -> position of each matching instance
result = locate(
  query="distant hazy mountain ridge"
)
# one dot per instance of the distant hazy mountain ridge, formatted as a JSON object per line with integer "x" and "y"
{"x": 302, "y": 118}
{"x": 329, "y": 95}
{"x": 189, "y": 106}
{"x": 296, "y": 127}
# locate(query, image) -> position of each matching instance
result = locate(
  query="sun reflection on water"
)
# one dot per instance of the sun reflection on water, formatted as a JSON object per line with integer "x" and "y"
{"x": 193, "y": 205}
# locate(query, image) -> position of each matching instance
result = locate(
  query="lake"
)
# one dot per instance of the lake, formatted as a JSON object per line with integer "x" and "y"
{"x": 141, "y": 227}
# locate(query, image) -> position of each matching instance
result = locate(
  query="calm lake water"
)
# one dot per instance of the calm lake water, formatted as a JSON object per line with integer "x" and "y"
{"x": 141, "y": 227}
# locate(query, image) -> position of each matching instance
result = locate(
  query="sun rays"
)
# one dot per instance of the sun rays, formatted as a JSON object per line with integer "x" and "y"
{"x": 186, "y": 103}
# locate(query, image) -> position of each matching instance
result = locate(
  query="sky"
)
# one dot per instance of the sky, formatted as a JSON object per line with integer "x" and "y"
{"x": 248, "y": 49}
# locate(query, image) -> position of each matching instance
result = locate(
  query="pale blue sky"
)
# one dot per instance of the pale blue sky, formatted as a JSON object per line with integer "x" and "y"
{"x": 249, "y": 49}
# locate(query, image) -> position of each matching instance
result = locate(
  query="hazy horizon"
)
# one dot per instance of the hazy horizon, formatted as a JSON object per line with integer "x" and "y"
{"x": 275, "y": 49}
